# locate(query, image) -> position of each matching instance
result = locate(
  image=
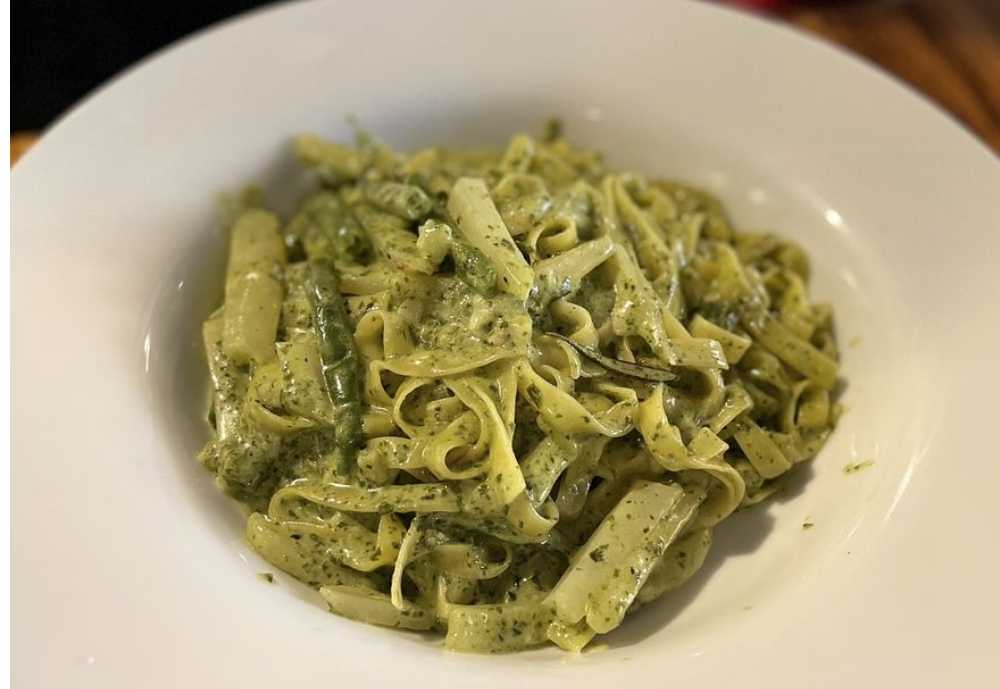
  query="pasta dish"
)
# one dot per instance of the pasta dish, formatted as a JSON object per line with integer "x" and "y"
{"x": 505, "y": 395}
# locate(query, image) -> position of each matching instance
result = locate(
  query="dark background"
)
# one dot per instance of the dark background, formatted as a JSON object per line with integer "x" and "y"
{"x": 948, "y": 49}
{"x": 62, "y": 49}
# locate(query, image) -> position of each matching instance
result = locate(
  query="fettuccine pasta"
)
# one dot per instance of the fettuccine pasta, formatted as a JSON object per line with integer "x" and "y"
{"x": 506, "y": 395}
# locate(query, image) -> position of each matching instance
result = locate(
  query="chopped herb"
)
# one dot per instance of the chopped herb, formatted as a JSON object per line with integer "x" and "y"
{"x": 597, "y": 554}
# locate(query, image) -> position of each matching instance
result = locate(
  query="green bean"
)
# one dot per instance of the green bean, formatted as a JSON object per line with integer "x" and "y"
{"x": 339, "y": 359}
{"x": 327, "y": 229}
{"x": 437, "y": 240}
{"x": 405, "y": 200}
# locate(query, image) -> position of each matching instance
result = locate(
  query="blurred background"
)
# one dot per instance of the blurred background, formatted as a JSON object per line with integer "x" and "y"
{"x": 947, "y": 49}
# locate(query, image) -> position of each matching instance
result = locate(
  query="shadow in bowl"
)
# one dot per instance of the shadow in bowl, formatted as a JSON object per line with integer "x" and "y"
{"x": 739, "y": 535}
{"x": 794, "y": 483}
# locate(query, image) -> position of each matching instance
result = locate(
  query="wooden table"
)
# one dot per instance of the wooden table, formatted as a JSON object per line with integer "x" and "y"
{"x": 947, "y": 49}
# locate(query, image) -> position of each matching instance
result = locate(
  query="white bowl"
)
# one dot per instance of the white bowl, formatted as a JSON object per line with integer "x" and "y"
{"x": 129, "y": 567}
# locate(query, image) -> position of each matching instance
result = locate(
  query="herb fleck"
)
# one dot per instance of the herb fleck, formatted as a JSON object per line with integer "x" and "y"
{"x": 597, "y": 554}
